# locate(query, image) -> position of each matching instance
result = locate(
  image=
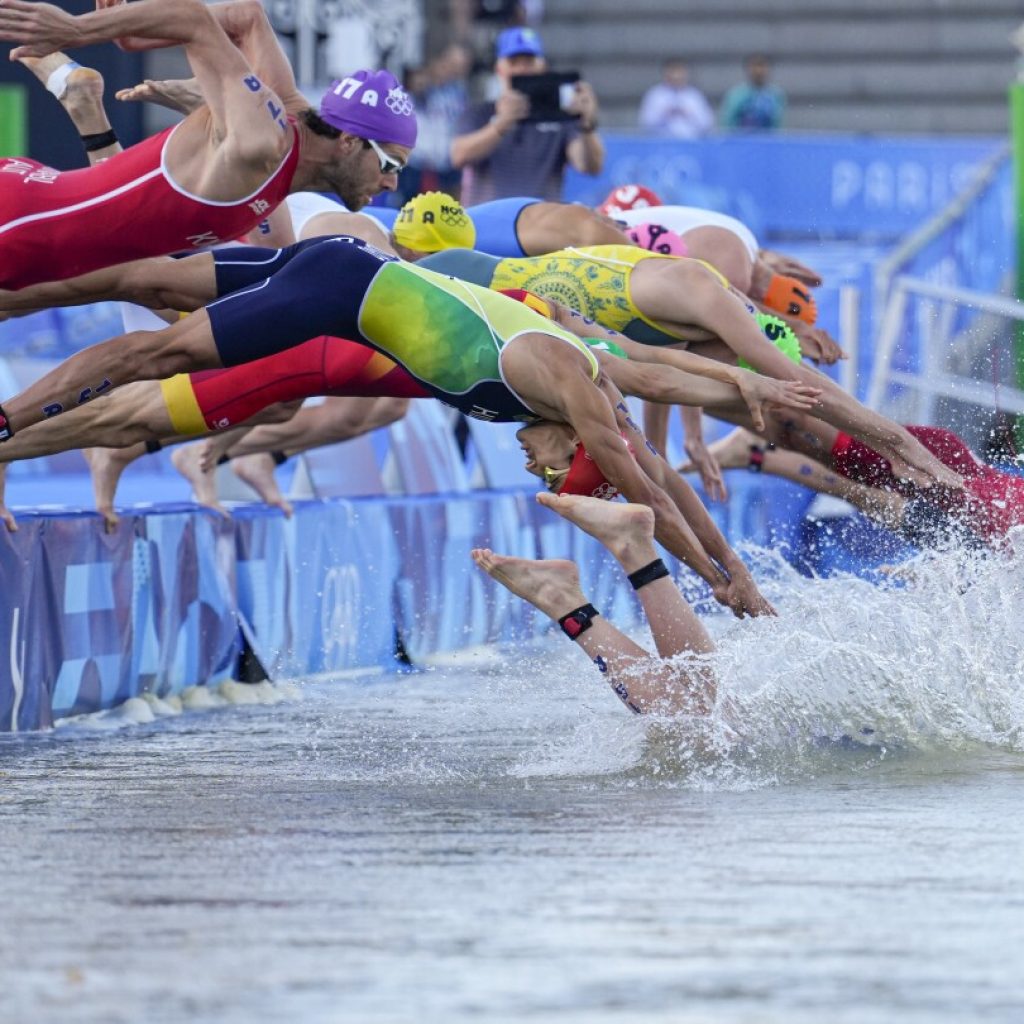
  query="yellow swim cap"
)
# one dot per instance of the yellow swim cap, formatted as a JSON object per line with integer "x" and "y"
{"x": 433, "y": 221}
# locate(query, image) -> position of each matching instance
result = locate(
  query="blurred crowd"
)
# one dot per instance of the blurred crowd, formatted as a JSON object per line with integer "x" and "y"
{"x": 475, "y": 127}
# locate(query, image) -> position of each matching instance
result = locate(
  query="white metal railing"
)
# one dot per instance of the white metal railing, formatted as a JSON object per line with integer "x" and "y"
{"x": 891, "y": 291}
{"x": 888, "y": 268}
{"x": 849, "y": 336}
{"x": 934, "y": 381}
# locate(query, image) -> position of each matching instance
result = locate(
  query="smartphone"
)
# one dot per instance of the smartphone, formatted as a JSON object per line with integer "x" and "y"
{"x": 550, "y": 94}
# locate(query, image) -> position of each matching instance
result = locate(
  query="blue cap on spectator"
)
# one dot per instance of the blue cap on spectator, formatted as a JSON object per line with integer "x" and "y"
{"x": 514, "y": 41}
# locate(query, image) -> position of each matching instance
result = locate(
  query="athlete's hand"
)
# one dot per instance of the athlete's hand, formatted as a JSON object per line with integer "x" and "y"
{"x": 710, "y": 472}
{"x": 742, "y": 597}
{"x": 40, "y": 28}
{"x": 780, "y": 263}
{"x": 924, "y": 471}
{"x": 816, "y": 344}
{"x": 181, "y": 95}
{"x": 759, "y": 391}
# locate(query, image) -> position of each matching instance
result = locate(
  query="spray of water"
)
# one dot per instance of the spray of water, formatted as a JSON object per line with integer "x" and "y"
{"x": 928, "y": 662}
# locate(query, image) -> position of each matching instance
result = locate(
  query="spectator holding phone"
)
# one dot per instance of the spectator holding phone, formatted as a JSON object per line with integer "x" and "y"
{"x": 508, "y": 148}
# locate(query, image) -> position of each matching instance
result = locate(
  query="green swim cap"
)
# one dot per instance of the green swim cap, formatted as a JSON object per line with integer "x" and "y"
{"x": 780, "y": 334}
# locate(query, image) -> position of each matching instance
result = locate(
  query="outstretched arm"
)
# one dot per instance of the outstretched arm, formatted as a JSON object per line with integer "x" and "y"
{"x": 228, "y": 83}
{"x": 594, "y": 419}
{"x": 734, "y": 587}
{"x": 161, "y": 283}
{"x": 589, "y": 409}
{"x": 43, "y": 28}
{"x": 755, "y": 389}
{"x": 246, "y": 24}
{"x": 704, "y": 302}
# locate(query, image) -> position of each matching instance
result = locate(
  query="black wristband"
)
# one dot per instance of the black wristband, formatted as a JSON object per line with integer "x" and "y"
{"x": 656, "y": 570}
{"x": 756, "y": 462}
{"x": 152, "y": 447}
{"x": 6, "y": 430}
{"x": 588, "y": 129}
{"x": 278, "y": 457}
{"x": 98, "y": 141}
{"x": 578, "y": 621}
{"x": 224, "y": 460}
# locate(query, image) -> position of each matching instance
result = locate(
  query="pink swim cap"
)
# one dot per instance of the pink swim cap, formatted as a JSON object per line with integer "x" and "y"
{"x": 371, "y": 105}
{"x": 657, "y": 239}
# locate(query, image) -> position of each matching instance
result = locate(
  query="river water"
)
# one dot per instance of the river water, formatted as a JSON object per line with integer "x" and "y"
{"x": 500, "y": 840}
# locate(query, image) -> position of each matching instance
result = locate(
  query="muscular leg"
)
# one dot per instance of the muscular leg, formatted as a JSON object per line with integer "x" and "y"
{"x": 105, "y": 468}
{"x": 194, "y": 465}
{"x": 138, "y": 356}
{"x": 134, "y": 413}
{"x": 553, "y": 588}
{"x": 335, "y": 420}
{"x": 627, "y": 531}
{"x": 82, "y": 99}
{"x": 187, "y": 461}
{"x": 253, "y": 455}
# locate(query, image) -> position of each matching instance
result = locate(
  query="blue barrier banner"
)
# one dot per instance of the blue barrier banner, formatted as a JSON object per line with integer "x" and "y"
{"x": 441, "y": 599}
{"x": 91, "y": 619}
{"x": 315, "y": 591}
{"x": 59, "y": 333}
{"x": 818, "y": 186}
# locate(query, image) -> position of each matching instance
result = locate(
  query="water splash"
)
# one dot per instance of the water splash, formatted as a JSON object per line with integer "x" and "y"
{"x": 853, "y": 672}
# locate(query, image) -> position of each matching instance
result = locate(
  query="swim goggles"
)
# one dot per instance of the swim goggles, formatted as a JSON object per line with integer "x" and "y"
{"x": 388, "y": 163}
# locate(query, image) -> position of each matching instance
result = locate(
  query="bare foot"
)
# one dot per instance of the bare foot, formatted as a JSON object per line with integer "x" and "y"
{"x": 626, "y": 530}
{"x": 181, "y": 95}
{"x": 731, "y": 451}
{"x": 551, "y": 585}
{"x": 82, "y": 96}
{"x": 257, "y": 471}
{"x": 106, "y": 466}
{"x": 214, "y": 448}
{"x": 204, "y": 485}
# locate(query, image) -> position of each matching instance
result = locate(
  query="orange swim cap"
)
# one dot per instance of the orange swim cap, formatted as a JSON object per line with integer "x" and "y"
{"x": 792, "y": 297}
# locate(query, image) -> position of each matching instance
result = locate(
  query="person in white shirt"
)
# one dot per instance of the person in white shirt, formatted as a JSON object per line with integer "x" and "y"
{"x": 674, "y": 107}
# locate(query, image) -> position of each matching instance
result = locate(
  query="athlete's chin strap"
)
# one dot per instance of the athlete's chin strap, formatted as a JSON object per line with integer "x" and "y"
{"x": 6, "y": 430}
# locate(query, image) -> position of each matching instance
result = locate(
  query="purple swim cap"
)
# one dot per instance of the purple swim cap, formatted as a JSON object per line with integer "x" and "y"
{"x": 372, "y": 105}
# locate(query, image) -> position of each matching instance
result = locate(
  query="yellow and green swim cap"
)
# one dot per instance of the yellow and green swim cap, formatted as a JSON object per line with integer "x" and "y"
{"x": 780, "y": 334}
{"x": 433, "y": 221}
